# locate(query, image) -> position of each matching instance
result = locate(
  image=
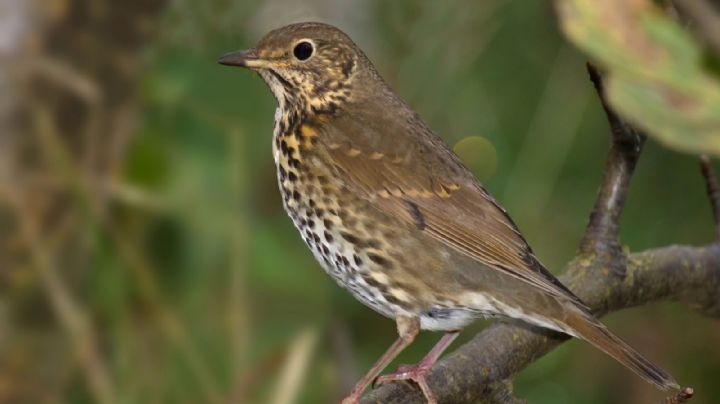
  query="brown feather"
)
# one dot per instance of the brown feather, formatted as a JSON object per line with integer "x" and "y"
{"x": 588, "y": 328}
{"x": 406, "y": 228}
{"x": 455, "y": 208}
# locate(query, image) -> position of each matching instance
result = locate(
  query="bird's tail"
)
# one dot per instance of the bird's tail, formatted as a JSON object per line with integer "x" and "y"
{"x": 585, "y": 326}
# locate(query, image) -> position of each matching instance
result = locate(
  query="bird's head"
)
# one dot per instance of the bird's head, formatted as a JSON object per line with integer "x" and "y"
{"x": 313, "y": 63}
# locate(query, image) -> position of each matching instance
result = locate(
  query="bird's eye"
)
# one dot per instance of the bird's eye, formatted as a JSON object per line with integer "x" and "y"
{"x": 303, "y": 50}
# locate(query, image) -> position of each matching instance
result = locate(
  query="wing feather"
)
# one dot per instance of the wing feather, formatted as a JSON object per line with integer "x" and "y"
{"x": 417, "y": 174}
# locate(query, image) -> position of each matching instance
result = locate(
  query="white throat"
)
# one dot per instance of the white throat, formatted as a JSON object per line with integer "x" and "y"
{"x": 276, "y": 87}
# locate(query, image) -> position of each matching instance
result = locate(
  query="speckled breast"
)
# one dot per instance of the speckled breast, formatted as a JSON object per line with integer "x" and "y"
{"x": 336, "y": 225}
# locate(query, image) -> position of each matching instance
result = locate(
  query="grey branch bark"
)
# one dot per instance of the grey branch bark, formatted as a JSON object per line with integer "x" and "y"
{"x": 602, "y": 235}
{"x": 713, "y": 192}
{"x": 602, "y": 275}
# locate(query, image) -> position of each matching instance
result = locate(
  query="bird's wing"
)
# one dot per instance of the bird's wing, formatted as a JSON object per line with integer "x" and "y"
{"x": 408, "y": 172}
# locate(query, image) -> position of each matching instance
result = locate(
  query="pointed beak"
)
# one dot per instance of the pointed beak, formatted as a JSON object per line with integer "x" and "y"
{"x": 246, "y": 58}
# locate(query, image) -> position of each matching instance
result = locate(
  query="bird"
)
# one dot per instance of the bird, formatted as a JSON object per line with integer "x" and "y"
{"x": 393, "y": 216}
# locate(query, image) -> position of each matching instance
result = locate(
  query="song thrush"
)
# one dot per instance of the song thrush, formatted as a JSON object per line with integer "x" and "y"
{"x": 393, "y": 216}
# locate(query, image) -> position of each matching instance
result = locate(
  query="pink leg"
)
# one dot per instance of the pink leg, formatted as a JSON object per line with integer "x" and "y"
{"x": 408, "y": 329}
{"x": 419, "y": 371}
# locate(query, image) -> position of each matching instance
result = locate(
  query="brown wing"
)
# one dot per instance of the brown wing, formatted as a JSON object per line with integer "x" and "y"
{"x": 409, "y": 172}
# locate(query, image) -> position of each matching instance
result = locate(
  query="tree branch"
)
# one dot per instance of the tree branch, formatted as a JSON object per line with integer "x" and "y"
{"x": 602, "y": 236}
{"x": 713, "y": 192}
{"x": 602, "y": 275}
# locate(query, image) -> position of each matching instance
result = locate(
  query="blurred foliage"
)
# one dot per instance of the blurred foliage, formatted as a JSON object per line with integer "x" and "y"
{"x": 657, "y": 75}
{"x": 197, "y": 286}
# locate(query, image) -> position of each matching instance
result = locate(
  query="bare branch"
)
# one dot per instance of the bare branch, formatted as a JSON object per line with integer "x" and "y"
{"x": 713, "y": 191}
{"x": 477, "y": 370}
{"x": 602, "y": 234}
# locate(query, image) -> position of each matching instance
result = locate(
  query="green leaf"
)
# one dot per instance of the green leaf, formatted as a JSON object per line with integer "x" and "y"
{"x": 656, "y": 74}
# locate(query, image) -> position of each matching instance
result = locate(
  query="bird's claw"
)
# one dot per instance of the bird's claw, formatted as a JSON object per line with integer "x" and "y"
{"x": 416, "y": 373}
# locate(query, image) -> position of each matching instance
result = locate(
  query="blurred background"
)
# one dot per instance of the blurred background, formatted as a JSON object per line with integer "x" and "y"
{"x": 144, "y": 253}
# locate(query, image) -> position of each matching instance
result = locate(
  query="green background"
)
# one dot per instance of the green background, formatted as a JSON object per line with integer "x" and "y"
{"x": 207, "y": 291}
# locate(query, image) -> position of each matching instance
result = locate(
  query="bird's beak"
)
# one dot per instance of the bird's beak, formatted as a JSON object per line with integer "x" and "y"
{"x": 246, "y": 58}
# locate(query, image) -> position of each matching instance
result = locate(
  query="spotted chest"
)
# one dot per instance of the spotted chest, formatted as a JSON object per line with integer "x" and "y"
{"x": 330, "y": 221}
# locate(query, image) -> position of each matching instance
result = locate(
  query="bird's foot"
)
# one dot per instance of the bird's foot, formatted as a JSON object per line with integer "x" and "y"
{"x": 416, "y": 373}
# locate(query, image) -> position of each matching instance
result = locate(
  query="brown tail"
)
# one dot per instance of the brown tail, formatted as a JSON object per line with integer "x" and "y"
{"x": 585, "y": 326}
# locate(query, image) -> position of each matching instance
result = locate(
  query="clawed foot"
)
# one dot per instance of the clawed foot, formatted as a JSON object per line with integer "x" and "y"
{"x": 416, "y": 373}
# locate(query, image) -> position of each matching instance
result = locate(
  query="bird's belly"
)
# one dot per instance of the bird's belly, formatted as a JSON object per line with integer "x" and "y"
{"x": 334, "y": 234}
{"x": 450, "y": 319}
{"x": 338, "y": 259}
{"x": 361, "y": 253}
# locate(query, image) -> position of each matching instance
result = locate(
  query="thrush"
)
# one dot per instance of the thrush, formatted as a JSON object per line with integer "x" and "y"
{"x": 393, "y": 216}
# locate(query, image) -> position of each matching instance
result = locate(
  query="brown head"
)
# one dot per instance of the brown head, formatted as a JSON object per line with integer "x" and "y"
{"x": 309, "y": 63}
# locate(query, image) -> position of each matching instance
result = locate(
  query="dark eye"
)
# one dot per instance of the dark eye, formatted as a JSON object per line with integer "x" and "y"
{"x": 303, "y": 50}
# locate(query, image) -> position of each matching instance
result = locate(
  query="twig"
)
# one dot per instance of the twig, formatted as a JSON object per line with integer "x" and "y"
{"x": 713, "y": 191}
{"x": 59, "y": 73}
{"x": 295, "y": 368}
{"x": 602, "y": 233}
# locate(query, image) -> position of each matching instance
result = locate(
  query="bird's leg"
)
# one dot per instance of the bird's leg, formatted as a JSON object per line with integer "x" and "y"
{"x": 419, "y": 371}
{"x": 408, "y": 328}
